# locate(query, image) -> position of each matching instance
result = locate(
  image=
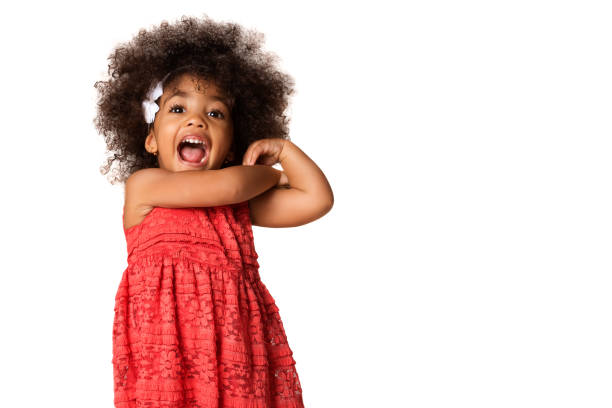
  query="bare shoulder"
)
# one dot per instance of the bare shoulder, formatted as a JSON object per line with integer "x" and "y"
{"x": 135, "y": 210}
{"x": 145, "y": 176}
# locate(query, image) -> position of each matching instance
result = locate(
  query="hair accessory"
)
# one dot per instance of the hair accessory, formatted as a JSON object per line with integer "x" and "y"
{"x": 149, "y": 106}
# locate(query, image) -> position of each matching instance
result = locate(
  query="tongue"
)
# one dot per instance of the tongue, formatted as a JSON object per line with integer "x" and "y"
{"x": 192, "y": 154}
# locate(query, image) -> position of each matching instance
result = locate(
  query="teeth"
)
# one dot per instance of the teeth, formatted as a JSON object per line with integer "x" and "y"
{"x": 193, "y": 141}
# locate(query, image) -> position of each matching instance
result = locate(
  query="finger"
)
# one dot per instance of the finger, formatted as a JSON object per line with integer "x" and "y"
{"x": 254, "y": 151}
{"x": 248, "y": 155}
{"x": 254, "y": 155}
{"x": 257, "y": 151}
{"x": 244, "y": 157}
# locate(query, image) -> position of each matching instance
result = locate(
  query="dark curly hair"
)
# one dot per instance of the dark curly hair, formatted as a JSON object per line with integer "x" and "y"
{"x": 224, "y": 52}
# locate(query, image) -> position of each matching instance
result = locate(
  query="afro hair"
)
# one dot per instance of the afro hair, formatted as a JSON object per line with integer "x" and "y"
{"x": 224, "y": 52}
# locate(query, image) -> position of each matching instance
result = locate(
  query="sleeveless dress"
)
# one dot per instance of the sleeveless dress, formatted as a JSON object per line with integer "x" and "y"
{"x": 194, "y": 325}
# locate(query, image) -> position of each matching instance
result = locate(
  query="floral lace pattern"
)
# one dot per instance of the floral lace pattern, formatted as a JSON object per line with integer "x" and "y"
{"x": 194, "y": 325}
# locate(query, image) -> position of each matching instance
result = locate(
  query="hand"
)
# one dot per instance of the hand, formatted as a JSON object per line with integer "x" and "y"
{"x": 264, "y": 151}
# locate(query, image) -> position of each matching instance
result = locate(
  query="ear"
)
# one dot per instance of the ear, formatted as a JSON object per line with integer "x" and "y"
{"x": 151, "y": 143}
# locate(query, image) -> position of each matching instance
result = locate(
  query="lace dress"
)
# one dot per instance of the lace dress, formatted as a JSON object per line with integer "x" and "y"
{"x": 194, "y": 325}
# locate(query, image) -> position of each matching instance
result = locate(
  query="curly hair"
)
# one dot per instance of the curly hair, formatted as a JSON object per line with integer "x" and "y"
{"x": 223, "y": 52}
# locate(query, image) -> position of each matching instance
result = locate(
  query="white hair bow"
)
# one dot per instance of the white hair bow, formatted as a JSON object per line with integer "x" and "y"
{"x": 149, "y": 106}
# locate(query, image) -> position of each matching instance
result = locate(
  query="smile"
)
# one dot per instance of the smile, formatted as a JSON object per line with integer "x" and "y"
{"x": 192, "y": 148}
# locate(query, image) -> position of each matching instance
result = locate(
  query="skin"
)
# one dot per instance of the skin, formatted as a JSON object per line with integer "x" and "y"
{"x": 308, "y": 195}
{"x": 302, "y": 194}
{"x": 200, "y": 112}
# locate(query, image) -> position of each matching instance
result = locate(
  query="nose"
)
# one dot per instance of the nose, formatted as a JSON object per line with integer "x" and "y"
{"x": 197, "y": 121}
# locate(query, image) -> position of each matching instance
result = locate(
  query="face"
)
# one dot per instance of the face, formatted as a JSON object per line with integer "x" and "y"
{"x": 191, "y": 108}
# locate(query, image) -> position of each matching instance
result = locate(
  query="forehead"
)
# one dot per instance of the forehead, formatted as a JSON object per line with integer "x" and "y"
{"x": 193, "y": 84}
{"x": 188, "y": 85}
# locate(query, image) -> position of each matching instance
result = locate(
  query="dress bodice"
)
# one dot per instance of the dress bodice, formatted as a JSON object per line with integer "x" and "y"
{"x": 220, "y": 235}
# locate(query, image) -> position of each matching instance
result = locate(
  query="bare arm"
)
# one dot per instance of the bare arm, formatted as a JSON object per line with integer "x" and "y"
{"x": 199, "y": 188}
{"x": 252, "y": 183}
{"x": 305, "y": 175}
{"x": 308, "y": 198}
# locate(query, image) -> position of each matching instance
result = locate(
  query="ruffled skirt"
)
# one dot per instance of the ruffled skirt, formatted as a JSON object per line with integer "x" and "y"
{"x": 190, "y": 334}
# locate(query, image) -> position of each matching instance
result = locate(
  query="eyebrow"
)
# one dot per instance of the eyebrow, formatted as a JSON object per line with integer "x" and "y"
{"x": 182, "y": 93}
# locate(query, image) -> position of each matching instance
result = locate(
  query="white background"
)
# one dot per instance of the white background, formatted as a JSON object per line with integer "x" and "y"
{"x": 466, "y": 261}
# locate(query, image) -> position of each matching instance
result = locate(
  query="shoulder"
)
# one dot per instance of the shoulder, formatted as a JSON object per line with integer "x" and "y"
{"x": 135, "y": 210}
{"x": 139, "y": 181}
{"x": 141, "y": 176}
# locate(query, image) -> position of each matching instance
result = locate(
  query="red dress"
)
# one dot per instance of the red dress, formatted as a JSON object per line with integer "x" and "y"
{"x": 194, "y": 325}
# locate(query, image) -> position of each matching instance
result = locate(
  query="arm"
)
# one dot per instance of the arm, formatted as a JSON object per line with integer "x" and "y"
{"x": 252, "y": 183}
{"x": 199, "y": 188}
{"x": 308, "y": 198}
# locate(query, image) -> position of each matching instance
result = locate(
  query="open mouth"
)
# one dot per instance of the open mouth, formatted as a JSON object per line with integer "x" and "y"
{"x": 193, "y": 152}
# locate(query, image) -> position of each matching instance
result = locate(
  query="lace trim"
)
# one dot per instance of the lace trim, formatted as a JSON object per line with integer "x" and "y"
{"x": 194, "y": 325}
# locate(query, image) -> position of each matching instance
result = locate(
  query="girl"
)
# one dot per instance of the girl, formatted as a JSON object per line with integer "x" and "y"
{"x": 193, "y": 117}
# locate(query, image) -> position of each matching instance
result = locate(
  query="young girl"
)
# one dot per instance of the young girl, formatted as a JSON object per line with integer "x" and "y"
{"x": 193, "y": 117}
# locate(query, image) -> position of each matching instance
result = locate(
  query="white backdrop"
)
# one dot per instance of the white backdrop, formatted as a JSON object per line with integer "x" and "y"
{"x": 466, "y": 261}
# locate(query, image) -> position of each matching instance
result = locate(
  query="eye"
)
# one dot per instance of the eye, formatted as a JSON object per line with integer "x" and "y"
{"x": 219, "y": 114}
{"x": 175, "y": 106}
